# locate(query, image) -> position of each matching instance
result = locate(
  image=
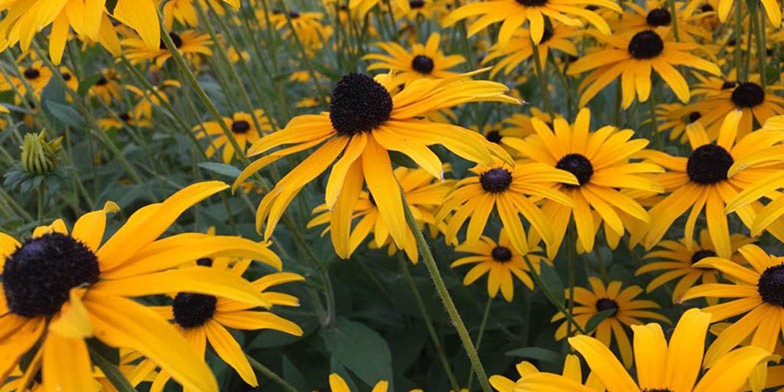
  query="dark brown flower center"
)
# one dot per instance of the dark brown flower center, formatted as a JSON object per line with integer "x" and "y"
{"x": 748, "y": 95}
{"x": 502, "y": 254}
{"x": 359, "y": 104}
{"x": 39, "y": 275}
{"x": 646, "y": 45}
{"x": 709, "y": 164}
{"x": 193, "y": 310}
{"x": 603, "y": 304}
{"x": 701, "y": 254}
{"x": 694, "y": 116}
{"x": 658, "y": 17}
{"x": 493, "y": 136}
{"x": 31, "y": 73}
{"x": 175, "y": 38}
{"x": 578, "y": 165}
{"x": 532, "y": 3}
{"x": 423, "y": 64}
{"x": 496, "y": 180}
{"x": 771, "y": 285}
{"x": 416, "y": 4}
{"x": 240, "y": 127}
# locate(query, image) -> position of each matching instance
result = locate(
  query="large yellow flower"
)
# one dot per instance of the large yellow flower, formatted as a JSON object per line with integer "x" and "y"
{"x": 701, "y": 182}
{"x": 531, "y": 379}
{"x": 62, "y": 287}
{"x": 601, "y": 162}
{"x": 671, "y": 367}
{"x": 513, "y": 13}
{"x": 422, "y": 61}
{"x": 367, "y": 119}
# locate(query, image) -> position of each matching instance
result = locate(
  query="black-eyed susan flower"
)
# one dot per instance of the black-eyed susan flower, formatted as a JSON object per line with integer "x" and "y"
{"x": 531, "y": 379}
{"x": 338, "y": 384}
{"x": 360, "y": 8}
{"x": 422, "y": 192}
{"x": 757, "y": 104}
{"x": 673, "y": 366}
{"x": 674, "y": 260}
{"x": 123, "y": 119}
{"x": 184, "y": 11}
{"x": 500, "y": 261}
{"x": 149, "y": 99}
{"x": 309, "y": 28}
{"x": 243, "y": 128}
{"x": 700, "y": 182}
{"x": 511, "y": 191}
{"x": 422, "y": 61}
{"x": 674, "y": 117}
{"x": 60, "y": 287}
{"x": 365, "y": 122}
{"x": 107, "y": 87}
{"x": 754, "y": 295}
{"x": 513, "y": 13}
{"x": 35, "y": 75}
{"x": 652, "y": 14}
{"x": 601, "y": 162}
{"x": 625, "y": 309}
{"x": 190, "y": 44}
{"x": 633, "y": 58}
{"x": 557, "y": 36}
{"x": 206, "y": 319}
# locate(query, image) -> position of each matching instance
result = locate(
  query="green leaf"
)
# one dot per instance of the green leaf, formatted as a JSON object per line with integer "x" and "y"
{"x": 594, "y": 321}
{"x": 359, "y": 349}
{"x": 64, "y": 113}
{"x": 220, "y": 168}
{"x": 552, "y": 284}
{"x": 293, "y": 376}
{"x": 537, "y": 353}
{"x": 110, "y": 370}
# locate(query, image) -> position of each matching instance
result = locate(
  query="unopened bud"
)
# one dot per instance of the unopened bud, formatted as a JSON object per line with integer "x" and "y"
{"x": 39, "y": 156}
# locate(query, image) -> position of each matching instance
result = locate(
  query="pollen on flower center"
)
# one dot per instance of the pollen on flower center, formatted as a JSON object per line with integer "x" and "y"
{"x": 496, "y": 180}
{"x": 603, "y": 304}
{"x": 771, "y": 285}
{"x": 423, "y": 64}
{"x": 578, "y": 165}
{"x": 39, "y": 275}
{"x": 501, "y": 254}
{"x": 658, "y": 17}
{"x": 359, "y": 104}
{"x": 532, "y": 3}
{"x": 646, "y": 45}
{"x": 701, "y": 254}
{"x": 709, "y": 164}
{"x": 193, "y": 310}
{"x": 240, "y": 127}
{"x": 748, "y": 95}
{"x": 31, "y": 73}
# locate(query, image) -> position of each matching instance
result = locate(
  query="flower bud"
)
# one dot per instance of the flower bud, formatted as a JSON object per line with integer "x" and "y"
{"x": 39, "y": 156}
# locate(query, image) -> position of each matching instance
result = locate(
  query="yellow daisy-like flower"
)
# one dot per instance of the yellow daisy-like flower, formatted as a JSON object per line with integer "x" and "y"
{"x": 61, "y": 287}
{"x": 511, "y": 191}
{"x": 422, "y": 192}
{"x": 242, "y": 126}
{"x": 36, "y": 75}
{"x": 367, "y": 119}
{"x": 184, "y": 11}
{"x": 531, "y": 379}
{"x": 557, "y": 36}
{"x": 673, "y": 366}
{"x": 120, "y": 120}
{"x": 601, "y": 162}
{"x": 674, "y": 117}
{"x": 499, "y": 261}
{"x": 755, "y": 295}
{"x": 657, "y": 13}
{"x": 190, "y": 44}
{"x": 149, "y": 99}
{"x": 205, "y": 318}
{"x": 360, "y": 8}
{"x": 513, "y": 13}
{"x": 337, "y": 384}
{"x": 108, "y": 87}
{"x": 701, "y": 182}
{"x": 624, "y": 307}
{"x": 308, "y": 26}
{"x": 633, "y": 58}
{"x": 678, "y": 259}
{"x": 423, "y": 61}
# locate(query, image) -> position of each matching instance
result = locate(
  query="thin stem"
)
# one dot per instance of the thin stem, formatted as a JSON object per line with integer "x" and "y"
{"x": 41, "y": 203}
{"x": 270, "y": 374}
{"x": 443, "y": 293}
{"x": 674, "y": 14}
{"x": 737, "y": 38}
{"x": 481, "y": 334}
{"x": 570, "y": 268}
{"x": 542, "y": 78}
{"x": 762, "y": 52}
{"x": 428, "y": 322}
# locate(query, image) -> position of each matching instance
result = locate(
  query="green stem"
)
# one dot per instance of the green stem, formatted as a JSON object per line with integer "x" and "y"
{"x": 449, "y": 305}
{"x": 428, "y": 322}
{"x": 112, "y": 373}
{"x": 762, "y": 51}
{"x": 570, "y": 268}
{"x": 540, "y": 74}
{"x": 674, "y": 14}
{"x": 270, "y": 374}
{"x": 737, "y": 37}
{"x": 481, "y": 334}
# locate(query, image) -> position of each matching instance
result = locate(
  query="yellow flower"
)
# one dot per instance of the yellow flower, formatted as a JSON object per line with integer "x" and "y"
{"x": 365, "y": 122}
{"x": 531, "y": 379}
{"x": 625, "y": 308}
{"x": 674, "y": 366}
{"x": 423, "y": 61}
{"x": 61, "y": 287}
{"x": 242, "y": 126}
{"x": 190, "y": 44}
